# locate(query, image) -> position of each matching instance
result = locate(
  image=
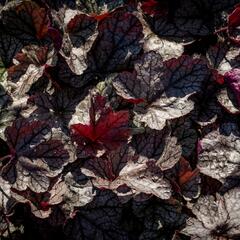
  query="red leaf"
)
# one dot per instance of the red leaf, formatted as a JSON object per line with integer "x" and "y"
{"x": 234, "y": 17}
{"x": 233, "y": 81}
{"x": 44, "y": 205}
{"x": 153, "y": 7}
{"x": 56, "y": 37}
{"x": 101, "y": 16}
{"x": 41, "y": 22}
{"x": 106, "y": 129}
{"x": 186, "y": 173}
{"x": 218, "y": 77}
{"x": 38, "y": 15}
{"x": 134, "y": 100}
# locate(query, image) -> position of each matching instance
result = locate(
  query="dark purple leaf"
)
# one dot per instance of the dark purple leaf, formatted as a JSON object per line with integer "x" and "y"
{"x": 34, "y": 156}
{"x": 223, "y": 57}
{"x": 207, "y": 107}
{"x": 99, "y": 219}
{"x": 58, "y": 107}
{"x": 166, "y": 87}
{"x": 124, "y": 168}
{"x": 26, "y": 21}
{"x": 185, "y": 23}
{"x": 158, "y": 145}
{"x": 182, "y": 128}
{"x": 118, "y": 43}
{"x": 29, "y": 66}
{"x": 63, "y": 74}
{"x": 9, "y": 47}
{"x": 80, "y": 33}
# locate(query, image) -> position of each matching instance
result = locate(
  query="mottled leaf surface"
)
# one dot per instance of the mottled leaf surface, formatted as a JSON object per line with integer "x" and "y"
{"x": 215, "y": 217}
{"x": 219, "y": 154}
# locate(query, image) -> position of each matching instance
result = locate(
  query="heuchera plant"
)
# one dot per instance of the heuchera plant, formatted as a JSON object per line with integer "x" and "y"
{"x": 119, "y": 119}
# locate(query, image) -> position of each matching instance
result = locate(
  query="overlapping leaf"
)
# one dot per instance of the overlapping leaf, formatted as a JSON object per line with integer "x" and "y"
{"x": 57, "y": 107}
{"x": 79, "y": 191}
{"x": 41, "y": 204}
{"x": 228, "y": 101}
{"x": 9, "y": 47}
{"x": 188, "y": 20}
{"x": 215, "y": 218}
{"x": 170, "y": 84}
{"x": 160, "y": 218}
{"x": 63, "y": 75}
{"x": 34, "y": 158}
{"x": 106, "y": 130}
{"x": 158, "y": 145}
{"x": 182, "y": 24}
{"x": 223, "y": 57}
{"x": 80, "y": 33}
{"x": 124, "y": 167}
{"x": 119, "y": 118}
{"x": 30, "y": 66}
{"x": 186, "y": 180}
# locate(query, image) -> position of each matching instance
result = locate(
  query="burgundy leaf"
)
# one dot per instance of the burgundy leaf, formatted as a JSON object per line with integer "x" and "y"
{"x": 26, "y": 21}
{"x": 233, "y": 18}
{"x": 153, "y": 7}
{"x": 233, "y": 81}
{"x": 106, "y": 129}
